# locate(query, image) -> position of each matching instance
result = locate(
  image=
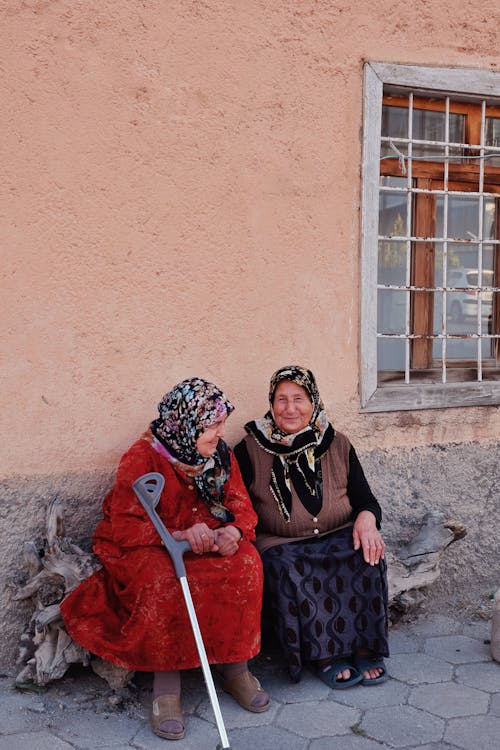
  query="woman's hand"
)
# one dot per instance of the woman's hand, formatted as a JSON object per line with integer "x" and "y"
{"x": 201, "y": 538}
{"x": 366, "y": 535}
{"x": 228, "y": 540}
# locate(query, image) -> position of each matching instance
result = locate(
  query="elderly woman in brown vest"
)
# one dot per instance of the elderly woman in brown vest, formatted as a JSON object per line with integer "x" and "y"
{"x": 318, "y": 535}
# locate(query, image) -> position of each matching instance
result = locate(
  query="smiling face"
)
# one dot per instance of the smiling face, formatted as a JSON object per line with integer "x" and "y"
{"x": 292, "y": 407}
{"x": 207, "y": 441}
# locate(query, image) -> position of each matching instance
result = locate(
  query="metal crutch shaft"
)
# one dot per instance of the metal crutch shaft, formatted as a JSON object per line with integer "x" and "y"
{"x": 148, "y": 489}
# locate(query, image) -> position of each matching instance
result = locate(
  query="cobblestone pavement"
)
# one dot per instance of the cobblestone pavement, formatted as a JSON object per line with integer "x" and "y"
{"x": 444, "y": 692}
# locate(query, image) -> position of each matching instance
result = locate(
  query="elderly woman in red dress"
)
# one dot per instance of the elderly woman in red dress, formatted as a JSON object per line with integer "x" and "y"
{"x": 132, "y": 612}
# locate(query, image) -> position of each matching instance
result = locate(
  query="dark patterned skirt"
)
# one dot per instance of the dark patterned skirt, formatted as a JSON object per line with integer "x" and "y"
{"x": 323, "y": 600}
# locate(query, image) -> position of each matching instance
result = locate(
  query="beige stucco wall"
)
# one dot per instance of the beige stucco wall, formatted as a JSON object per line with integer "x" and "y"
{"x": 180, "y": 196}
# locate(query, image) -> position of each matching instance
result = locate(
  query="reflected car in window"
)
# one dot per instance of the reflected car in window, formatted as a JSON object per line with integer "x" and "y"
{"x": 463, "y": 304}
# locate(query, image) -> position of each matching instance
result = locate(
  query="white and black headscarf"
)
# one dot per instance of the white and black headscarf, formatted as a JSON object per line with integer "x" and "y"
{"x": 296, "y": 456}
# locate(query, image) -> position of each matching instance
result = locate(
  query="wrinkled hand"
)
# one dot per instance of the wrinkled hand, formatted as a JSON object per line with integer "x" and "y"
{"x": 228, "y": 539}
{"x": 366, "y": 535}
{"x": 201, "y": 538}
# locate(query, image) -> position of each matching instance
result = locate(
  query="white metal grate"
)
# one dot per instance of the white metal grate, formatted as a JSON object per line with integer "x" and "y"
{"x": 482, "y": 292}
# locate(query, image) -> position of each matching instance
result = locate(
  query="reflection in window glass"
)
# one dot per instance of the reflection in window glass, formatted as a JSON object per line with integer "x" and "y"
{"x": 430, "y": 126}
{"x": 492, "y": 133}
{"x": 392, "y": 214}
{"x": 463, "y": 217}
{"x": 489, "y": 219}
{"x": 392, "y": 262}
{"x": 460, "y": 258}
{"x": 396, "y": 182}
{"x": 462, "y": 312}
{"x": 391, "y": 311}
{"x": 488, "y": 264}
{"x": 391, "y": 354}
{"x": 395, "y": 122}
{"x": 461, "y": 349}
{"x": 492, "y": 138}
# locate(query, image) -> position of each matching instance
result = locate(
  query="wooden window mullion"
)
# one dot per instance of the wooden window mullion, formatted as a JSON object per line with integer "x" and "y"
{"x": 423, "y": 276}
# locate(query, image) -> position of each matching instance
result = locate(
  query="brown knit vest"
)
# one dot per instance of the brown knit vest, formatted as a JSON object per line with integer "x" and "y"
{"x": 336, "y": 512}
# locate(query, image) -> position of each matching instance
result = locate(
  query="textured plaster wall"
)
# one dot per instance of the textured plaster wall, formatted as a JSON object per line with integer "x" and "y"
{"x": 180, "y": 195}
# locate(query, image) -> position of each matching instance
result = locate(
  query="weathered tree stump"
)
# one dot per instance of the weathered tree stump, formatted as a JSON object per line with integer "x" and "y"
{"x": 46, "y": 649}
{"x": 54, "y": 570}
{"x": 417, "y": 565}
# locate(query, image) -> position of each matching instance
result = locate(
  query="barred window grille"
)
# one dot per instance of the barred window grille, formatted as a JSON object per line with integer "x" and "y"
{"x": 433, "y": 249}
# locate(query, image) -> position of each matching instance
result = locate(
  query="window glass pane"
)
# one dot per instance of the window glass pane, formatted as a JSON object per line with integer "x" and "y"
{"x": 471, "y": 299}
{"x": 392, "y": 221}
{"x": 427, "y": 126}
{"x": 463, "y": 217}
{"x": 392, "y": 214}
{"x": 492, "y": 133}
{"x": 461, "y": 349}
{"x": 395, "y": 122}
{"x": 492, "y": 138}
{"x": 391, "y": 354}
{"x": 438, "y": 264}
{"x": 458, "y": 317}
{"x": 388, "y": 181}
{"x": 391, "y": 311}
{"x": 430, "y": 126}
{"x": 489, "y": 219}
{"x": 495, "y": 302}
{"x": 392, "y": 263}
{"x": 461, "y": 311}
{"x": 436, "y": 153}
{"x": 461, "y": 257}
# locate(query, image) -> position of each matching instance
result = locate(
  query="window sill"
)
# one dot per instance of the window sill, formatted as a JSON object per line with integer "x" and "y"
{"x": 407, "y": 397}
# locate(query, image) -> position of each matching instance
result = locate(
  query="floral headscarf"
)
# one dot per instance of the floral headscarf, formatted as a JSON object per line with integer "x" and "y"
{"x": 296, "y": 455}
{"x": 185, "y": 412}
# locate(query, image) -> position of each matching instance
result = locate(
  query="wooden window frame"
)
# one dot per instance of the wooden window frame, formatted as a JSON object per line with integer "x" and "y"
{"x": 461, "y": 83}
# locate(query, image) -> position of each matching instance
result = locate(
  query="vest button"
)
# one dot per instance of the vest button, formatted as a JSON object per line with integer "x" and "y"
{"x": 316, "y": 531}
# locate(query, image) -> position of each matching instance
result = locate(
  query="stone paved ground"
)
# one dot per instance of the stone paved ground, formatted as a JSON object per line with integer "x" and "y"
{"x": 444, "y": 692}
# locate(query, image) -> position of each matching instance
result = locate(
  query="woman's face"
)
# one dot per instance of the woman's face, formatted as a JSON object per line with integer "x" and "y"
{"x": 292, "y": 407}
{"x": 207, "y": 442}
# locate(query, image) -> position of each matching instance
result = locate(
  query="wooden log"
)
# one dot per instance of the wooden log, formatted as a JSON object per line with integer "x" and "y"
{"x": 416, "y": 565}
{"x": 46, "y": 649}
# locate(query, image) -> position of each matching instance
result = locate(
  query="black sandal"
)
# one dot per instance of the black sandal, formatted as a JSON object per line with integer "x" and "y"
{"x": 329, "y": 673}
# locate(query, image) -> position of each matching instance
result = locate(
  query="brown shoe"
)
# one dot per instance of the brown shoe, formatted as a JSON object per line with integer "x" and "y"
{"x": 167, "y": 708}
{"x": 244, "y": 687}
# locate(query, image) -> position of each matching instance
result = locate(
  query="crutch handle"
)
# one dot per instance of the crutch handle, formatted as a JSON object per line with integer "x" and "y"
{"x": 148, "y": 489}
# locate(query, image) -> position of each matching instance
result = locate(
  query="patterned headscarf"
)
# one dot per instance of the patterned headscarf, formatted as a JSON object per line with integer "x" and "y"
{"x": 185, "y": 412}
{"x": 296, "y": 455}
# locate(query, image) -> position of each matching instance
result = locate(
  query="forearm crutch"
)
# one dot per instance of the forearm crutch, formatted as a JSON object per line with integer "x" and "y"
{"x": 148, "y": 489}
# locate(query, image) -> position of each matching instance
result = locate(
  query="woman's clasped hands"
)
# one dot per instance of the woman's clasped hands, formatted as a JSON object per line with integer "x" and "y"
{"x": 202, "y": 539}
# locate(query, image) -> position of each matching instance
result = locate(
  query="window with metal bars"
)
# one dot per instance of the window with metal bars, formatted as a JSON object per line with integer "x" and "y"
{"x": 431, "y": 238}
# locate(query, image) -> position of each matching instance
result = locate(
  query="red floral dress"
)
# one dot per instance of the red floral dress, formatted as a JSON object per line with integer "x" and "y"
{"x": 132, "y": 612}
